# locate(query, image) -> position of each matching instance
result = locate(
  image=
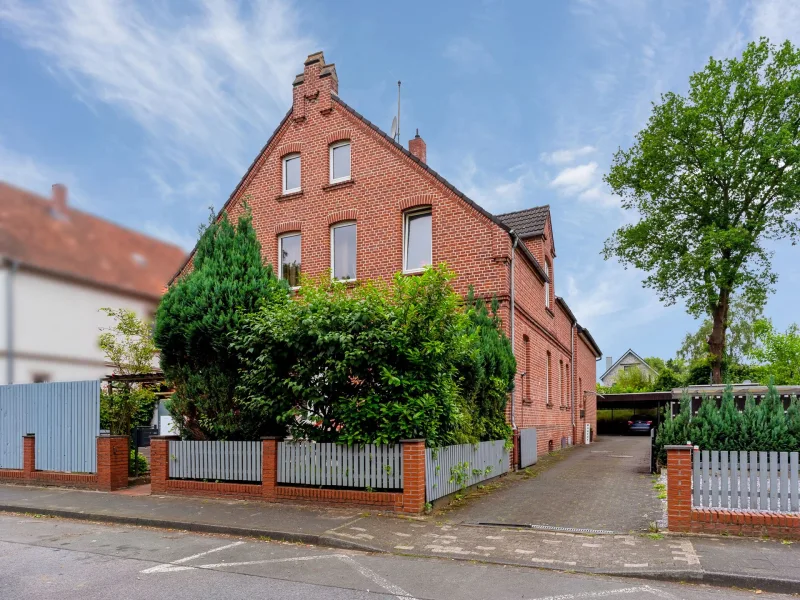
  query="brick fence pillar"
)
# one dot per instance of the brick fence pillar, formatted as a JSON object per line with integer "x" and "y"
{"x": 112, "y": 462}
{"x": 28, "y": 455}
{"x": 159, "y": 462}
{"x": 413, "y": 475}
{"x": 269, "y": 467}
{"x": 679, "y": 487}
{"x": 514, "y": 453}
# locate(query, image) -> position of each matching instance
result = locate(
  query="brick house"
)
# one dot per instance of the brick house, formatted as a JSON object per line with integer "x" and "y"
{"x": 330, "y": 190}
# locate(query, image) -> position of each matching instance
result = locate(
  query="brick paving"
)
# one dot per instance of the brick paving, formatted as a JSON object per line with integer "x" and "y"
{"x": 605, "y": 486}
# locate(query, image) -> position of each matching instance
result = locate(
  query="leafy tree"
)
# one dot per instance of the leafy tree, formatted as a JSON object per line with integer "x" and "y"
{"x": 740, "y": 338}
{"x": 129, "y": 347}
{"x": 657, "y": 363}
{"x": 194, "y": 324}
{"x": 713, "y": 176}
{"x": 629, "y": 381}
{"x": 667, "y": 380}
{"x": 378, "y": 363}
{"x": 779, "y": 352}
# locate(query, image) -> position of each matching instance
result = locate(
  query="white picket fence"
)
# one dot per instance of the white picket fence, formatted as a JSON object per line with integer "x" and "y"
{"x": 215, "y": 460}
{"x": 746, "y": 480}
{"x": 335, "y": 465}
{"x": 451, "y": 468}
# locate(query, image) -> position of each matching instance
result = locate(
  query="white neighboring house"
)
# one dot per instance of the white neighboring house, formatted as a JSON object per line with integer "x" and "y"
{"x": 58, "y": 267}
{"x": 629, "y": 360}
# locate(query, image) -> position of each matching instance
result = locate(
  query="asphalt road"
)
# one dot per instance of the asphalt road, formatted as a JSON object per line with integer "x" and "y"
{"x": 53, "y": 558}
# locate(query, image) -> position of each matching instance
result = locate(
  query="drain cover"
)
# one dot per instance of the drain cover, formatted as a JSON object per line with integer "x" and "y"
{"x": 551, "y": 528}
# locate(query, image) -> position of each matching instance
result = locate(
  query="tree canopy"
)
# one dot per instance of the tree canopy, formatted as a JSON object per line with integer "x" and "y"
{"x": 195, "y": 319}
{"x": 714, "y": 176}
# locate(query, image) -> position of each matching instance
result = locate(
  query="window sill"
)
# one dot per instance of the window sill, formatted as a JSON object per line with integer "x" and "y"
{"x": 414, "y": 272}
{"x": 338, "y": 184}
{"x": 289, "y": 196}
{"x": 527, "y": 401}
{"x": 550, "y": 311}
{"x": 347, "y": 282}
{"x": 549, "y": 405}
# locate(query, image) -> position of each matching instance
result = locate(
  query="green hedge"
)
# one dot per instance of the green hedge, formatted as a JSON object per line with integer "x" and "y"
{"x": 765, "y": 426}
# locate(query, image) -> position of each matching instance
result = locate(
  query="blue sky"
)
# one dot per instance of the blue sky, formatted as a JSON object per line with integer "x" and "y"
{"x": 151, "y": 111}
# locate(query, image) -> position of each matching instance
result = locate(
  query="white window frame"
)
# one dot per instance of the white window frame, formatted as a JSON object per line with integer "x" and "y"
{"x": 330, "y": 161}
{"x": 406, "y": 218}
{"x": 284, "y": 160}
{"x": 280, "y": 254}
{"x": 547, "y": 284}
{"x": 333, "y": 249}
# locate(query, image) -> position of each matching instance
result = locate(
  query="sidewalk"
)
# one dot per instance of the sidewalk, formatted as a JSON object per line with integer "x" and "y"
{"x": 766, "y": 565}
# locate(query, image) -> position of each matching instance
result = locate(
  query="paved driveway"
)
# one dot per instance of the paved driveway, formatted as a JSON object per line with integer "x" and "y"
{"x": 604, "y": 486}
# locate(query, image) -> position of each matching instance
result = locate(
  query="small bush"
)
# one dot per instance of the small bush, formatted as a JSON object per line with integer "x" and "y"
{"x": 133, "y": 461}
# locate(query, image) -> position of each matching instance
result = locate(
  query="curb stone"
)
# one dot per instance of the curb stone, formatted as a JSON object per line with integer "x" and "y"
{"x": 280, "y": 536}
{"x": 722, "y": 579}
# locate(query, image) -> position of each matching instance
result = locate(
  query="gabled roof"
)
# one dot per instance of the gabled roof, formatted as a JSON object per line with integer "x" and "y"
{"x": 629, "y": 353}
{"x": 527, "y": 223}
{"x": 70, "y": 243}
{"x": 522, "y": 248}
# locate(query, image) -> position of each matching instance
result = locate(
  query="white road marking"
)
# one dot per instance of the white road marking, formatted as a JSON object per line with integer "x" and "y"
{"x": 170, "y": 566}
{"x": 486, "y": 547}
{"x": 684, "y": 551}
{"x": 404, "y": 547}
{"x": 358, "y": 536}
{"x": 448, "y": 550}
{"x": 601, "y": 594}
{"x": 399, "y": 592}
{"x": 552, "y": 561}
{"x": 401, "y": 534}
{"x": 620, "y": 456}
{"x": 358, "y": 529}
{"x": 495, "y": 537}
{"x": 521, "y": 551}
{"x": 635, "y": 565}
{"x": 591, "y": 545}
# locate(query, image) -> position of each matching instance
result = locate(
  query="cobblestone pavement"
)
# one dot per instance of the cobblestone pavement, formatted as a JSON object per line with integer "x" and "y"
{"x": 602, "y": 486}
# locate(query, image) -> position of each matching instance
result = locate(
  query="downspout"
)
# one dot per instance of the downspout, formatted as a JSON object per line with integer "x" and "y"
{"x": 572, "y": 334}
{"x": 12, "y": 269}
{"x": 514, "y": 389}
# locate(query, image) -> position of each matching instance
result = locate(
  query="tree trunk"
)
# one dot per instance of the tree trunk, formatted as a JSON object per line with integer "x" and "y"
{"x": 716, "y": 341}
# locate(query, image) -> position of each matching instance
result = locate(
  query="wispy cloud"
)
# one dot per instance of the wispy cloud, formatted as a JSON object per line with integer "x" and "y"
{"x": 25, "y": 172}
{"x": 168, "y": 233}
{"x": 198, "y": 80}
{"x": 566, "y": 156}
{"x": 779, "y": 20}
{"x": 496, "y": 193}
{"x": 573, "y": 180}
{"x": 467, "y": 52}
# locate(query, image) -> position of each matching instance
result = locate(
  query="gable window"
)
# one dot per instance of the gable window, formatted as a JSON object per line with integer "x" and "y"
{"x": 343, "y": 251}
{"x": 340, "y": 162}
{"x": 417, "y": 240}
{"x": 291, "y": 173}
{"x": 547, "y": 284}
{"x": 289, "y": 258}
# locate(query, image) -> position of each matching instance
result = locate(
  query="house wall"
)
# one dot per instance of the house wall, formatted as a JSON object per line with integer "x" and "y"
{"x": 56, "y": 327}
{"x": 384, "y": 183}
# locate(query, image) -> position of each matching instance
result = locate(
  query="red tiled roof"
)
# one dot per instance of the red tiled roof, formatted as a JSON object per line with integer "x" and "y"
{"x": 77, "y": 245}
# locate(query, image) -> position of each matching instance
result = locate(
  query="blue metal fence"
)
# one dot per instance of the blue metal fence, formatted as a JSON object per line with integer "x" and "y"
{"x": 64, "y": 417}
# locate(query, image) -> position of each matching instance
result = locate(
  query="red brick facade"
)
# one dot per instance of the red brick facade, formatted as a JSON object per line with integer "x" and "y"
{"x": 386, "y": 180}
{"x": 683, "y": 517}
{"x": 112, "y": 467}
{"x": 410, "y": 500}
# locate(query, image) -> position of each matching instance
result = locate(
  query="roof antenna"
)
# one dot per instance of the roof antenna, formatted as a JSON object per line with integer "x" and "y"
{"x": 398, "y": 112}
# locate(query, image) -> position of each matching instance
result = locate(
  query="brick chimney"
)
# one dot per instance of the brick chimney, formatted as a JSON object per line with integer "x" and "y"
{"x": 418, "y": 148}
{"x": 313, "y": 87}
{"x": 59, "y": 198}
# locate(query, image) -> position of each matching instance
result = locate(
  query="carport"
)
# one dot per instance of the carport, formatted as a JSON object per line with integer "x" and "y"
{"x": 624, "y": 405}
